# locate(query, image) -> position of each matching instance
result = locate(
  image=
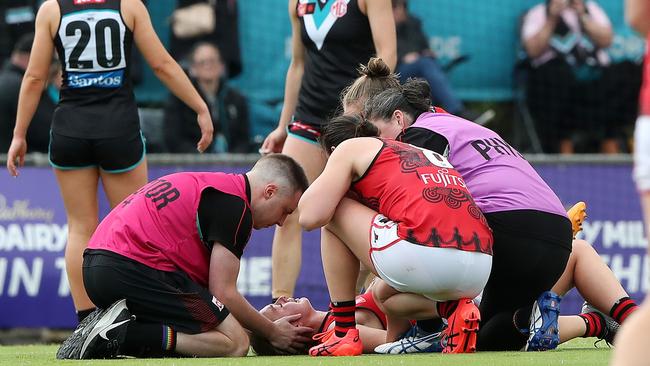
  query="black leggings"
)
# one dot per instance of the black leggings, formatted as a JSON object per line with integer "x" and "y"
{"x": 531, "y": 250}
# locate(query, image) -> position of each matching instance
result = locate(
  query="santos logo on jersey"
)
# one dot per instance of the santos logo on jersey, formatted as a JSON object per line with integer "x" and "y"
{"x": 109, "y": 79}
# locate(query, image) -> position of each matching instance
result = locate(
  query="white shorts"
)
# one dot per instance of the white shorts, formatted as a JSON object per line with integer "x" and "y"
{"x": 438, "y": 273}
{"x": 642, "y": 153}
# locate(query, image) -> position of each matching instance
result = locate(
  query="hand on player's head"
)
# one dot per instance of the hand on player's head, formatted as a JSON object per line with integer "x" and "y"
{"x": 289, "y": 338}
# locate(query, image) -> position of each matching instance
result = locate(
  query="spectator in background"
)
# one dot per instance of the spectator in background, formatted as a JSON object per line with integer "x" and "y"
{"x": 632, "y": 341}
{"x": 415, "y": 59}
{"x": 572, "y": 85}
{"x": 214, "y": 21}
{"x": 227, "y": 106}
{"x": 16, "y": 19}
{"x": 10, "y": 78}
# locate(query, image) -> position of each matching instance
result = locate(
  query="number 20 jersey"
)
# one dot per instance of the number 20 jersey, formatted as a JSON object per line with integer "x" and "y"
{"x": 94, "y": 46}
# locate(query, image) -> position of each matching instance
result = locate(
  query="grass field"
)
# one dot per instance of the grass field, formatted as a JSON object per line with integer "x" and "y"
{"x": 577, "y": 352}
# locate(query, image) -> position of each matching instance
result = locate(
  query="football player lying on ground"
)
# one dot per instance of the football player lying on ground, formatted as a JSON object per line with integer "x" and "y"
{"x": 416, "y": 221}
{"x": 370, "y": 319}
{"x": 162, "y": 266}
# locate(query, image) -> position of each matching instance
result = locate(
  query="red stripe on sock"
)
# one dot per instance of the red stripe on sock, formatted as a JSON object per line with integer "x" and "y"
{"x": 593, "y": 323}
{"x": 344, "y": 309}
{"x": 598, "y": 325}
{"x": 619, "y": 306}
{"x": 627, "y": 313}
{"x": 622, "y": 309}
{"x": 344, "y": 319}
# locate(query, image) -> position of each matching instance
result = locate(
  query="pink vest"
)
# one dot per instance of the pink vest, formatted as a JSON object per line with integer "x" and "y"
{"x": 158, "y": 225}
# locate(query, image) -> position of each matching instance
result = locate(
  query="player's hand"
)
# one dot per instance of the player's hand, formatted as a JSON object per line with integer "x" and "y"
{"x": 556, "y": 7}
{"x": 579, "y": 6}
{"x": 207, "y": 131}
{"x": 16, "y": 155}
{"x": 289, "y": 338}
{"x": 274, "y": 142}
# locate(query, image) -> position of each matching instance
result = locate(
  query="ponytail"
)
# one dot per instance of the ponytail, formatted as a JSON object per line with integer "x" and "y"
{"x": 413, "y": 98}
{"x": 373, "y": 78}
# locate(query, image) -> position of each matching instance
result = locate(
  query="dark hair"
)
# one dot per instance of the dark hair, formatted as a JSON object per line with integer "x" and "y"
{"x": 201, "y": 44}
{"x": 412, "y": 98}
{"x": 343, "y": 128}
{"x": 397, "y": 3}
{"x": 373, "y": 78}
{"x": 24, "y": 43}
{"x": 286, "y": 167}
{"x": 261, "y": 346}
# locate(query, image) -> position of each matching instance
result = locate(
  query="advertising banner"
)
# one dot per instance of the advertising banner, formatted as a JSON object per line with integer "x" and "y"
{"x": 33, "y": 231}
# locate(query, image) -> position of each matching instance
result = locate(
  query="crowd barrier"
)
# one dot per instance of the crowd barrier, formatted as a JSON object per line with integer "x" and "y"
{"x": 33, "y": 285}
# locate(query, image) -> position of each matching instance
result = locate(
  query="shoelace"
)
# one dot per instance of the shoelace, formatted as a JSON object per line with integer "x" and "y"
{"x": 324, "y": 336}
{"x": 609, "y": 345}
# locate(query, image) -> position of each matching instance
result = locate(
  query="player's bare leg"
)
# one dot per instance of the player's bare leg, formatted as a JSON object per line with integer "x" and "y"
{"x": 118, "y": 186}
{"x": 286, "y": 253}
{"x": 632, "y": 341}
{"x": 343, "y": 247}
{"x": 597, "y": 284}
{"x": 79, "y": 192}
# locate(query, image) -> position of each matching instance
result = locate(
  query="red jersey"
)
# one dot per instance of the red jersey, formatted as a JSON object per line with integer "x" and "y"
{"x": 366, "y": 301}
{"x": 426, "y": 196}
{"x": 644, "y": 96}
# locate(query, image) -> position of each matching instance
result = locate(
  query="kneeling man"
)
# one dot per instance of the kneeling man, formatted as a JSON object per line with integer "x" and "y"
{"x": 162, "y": 266}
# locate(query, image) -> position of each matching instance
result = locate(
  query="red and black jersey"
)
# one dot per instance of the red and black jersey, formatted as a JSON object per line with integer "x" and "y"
{"x": 426, "y": 196}
{"x": 366, "y": 301}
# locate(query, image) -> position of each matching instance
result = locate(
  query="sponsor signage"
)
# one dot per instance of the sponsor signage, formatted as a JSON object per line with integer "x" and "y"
{"x": 33, "y": 231}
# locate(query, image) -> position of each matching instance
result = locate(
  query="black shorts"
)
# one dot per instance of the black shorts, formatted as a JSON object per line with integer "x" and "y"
{"x": 113, "y": 155}
{"x": 153, "y": 296}
{"x": 304, "y": 131}
{"x": 531, "y": 250}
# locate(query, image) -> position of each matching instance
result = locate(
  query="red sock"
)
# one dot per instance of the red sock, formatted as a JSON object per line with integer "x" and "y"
{"x": 595, "y": 324}
{"x": 344, "y": 320}
{"x": 445, "y": 309}
{"x": 622, "y": 309}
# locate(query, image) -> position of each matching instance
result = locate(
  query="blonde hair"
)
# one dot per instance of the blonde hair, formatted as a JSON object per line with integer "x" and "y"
{"x": 374, "y": 78}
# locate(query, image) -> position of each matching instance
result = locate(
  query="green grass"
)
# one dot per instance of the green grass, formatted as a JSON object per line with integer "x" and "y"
{"x": 576, "y": 352}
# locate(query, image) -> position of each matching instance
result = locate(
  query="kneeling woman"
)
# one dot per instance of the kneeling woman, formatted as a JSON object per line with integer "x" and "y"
{"x": 428, "y": 239}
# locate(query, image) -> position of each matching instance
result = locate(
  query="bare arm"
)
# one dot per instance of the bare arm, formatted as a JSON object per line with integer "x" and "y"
{"x": 224, "y": 269}
{"x": 637, "y": 14}
{"x": 34, "y": 81}
{"x": 382, "y": 26}
{"x": 348, "y": 161}
{"x": 538, "y": 43}
{"x": 601, "y": 34}
{"x": 165, "y": 68}
{"x": 275, "y": 140}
